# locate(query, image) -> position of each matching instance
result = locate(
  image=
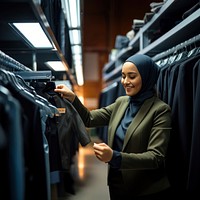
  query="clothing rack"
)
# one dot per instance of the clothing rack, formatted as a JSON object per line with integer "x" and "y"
{"x": 11, "y": 64}
{"x": 35, "y": 75}
{"x": 32, "y": 131}
{"x": 178, "y": 47}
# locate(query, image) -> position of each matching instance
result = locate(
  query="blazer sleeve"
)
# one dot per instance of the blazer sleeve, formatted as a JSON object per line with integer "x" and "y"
{"x": 94, "y": 118}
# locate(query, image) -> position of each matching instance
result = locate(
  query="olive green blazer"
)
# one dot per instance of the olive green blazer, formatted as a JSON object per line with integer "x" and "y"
{"x": 145, "y": 144}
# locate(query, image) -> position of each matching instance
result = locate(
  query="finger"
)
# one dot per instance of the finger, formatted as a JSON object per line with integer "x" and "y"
{"x": 102, "y": 144}
{"x": 97, "y": 152}
{"x": 98, "y": 147}
{"x": 57, "y": 90}
{"x": 59, "y": 86}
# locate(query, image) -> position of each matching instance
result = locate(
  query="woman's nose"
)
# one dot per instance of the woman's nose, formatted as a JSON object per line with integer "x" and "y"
{"x": 126, "y": 80}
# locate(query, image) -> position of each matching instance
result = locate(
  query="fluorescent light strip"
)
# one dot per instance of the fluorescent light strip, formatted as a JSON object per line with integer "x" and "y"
{"x": 75, "y": 36}
{"x": 73, "y": 13}
{"x": 76, "y": 49}
{"x": 56, "y": 65}
{"x": 79, "y": 74}
{"x": 77, "y": 58}
{"x": 78, "y": 68}
{"x": 34, "y": 34}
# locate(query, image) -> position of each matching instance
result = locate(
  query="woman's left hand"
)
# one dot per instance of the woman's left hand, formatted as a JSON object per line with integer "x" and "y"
{"x": 103, "y": 152}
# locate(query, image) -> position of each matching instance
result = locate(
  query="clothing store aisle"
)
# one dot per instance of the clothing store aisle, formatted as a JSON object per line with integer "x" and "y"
{"x": 91, "y": 183}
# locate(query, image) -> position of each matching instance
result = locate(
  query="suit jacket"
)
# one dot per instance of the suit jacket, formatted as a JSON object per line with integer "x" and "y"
{"x": 64, "y": 132}
{"x": 70, "y": 127}
{"x": 145, "y": 145}
{"x": 193, "y": 183}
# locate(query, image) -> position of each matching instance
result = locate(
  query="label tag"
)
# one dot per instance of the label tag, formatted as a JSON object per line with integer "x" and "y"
{"x": 62, "y": 110}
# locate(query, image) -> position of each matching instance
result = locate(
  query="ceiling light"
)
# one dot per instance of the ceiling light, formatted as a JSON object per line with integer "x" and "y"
{"x": 76, "y": 49}
{"x": 79, "y": 74}
{"x": 73, "y": 13}
{"x": 75, "y": 36}
{"x": 34, "y": 33}
{"x": 77, "y": 58}
{"x": 56, "y": 65}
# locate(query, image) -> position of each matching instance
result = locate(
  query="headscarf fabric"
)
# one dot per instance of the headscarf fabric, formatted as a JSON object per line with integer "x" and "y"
{"x": 149, "y": 73}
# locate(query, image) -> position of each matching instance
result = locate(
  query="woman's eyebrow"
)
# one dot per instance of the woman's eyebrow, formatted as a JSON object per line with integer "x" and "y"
{"x": 130, "y": 73}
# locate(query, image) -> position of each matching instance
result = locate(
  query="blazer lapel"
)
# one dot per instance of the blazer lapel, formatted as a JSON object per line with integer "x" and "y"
{"x": 137, "y": 120}
{"x": 122, "y": 109}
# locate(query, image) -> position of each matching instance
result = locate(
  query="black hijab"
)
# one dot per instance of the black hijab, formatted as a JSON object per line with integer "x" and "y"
{"x": 149, "y": 74}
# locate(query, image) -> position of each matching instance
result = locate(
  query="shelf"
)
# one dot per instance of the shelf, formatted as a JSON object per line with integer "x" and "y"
{"x": 171, "y": 9}
{"x": 113, "y": 74}
{"x": 164, "y": 10}
{"x": 121, "y": 56}
{"x": 175, "y": 36}
{"x": 135, "y": 42}
{"x": 109, "y": 66}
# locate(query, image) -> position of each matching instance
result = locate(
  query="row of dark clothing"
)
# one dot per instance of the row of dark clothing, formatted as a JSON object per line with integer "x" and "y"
{"x": 40, "y": 133}
{"x": 179, "y": 86}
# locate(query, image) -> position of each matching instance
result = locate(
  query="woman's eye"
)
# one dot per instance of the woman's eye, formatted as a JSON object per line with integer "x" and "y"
{"x": 128, "y": 77}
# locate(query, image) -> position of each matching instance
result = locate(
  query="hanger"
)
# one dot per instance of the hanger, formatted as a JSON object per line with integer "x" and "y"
{"x": 181, "y": 51}
{"x": 35, "y": 75}
{"x": 8, "y": 78}
{"x": 50, "y": 109}
{"x": 194, "y": 49}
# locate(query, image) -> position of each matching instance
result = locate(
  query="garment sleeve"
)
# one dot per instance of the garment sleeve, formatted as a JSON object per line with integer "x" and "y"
{"x": 115, "y": 162}
{"x": 82, "y": 110}
{"x": 78, "y": 125}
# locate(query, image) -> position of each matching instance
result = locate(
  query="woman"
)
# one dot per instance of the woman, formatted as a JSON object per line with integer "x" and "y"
{"x": 139, "y": 127}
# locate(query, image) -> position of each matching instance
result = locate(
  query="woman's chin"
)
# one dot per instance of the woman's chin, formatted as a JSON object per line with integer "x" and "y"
{"x": 128, "y": 93}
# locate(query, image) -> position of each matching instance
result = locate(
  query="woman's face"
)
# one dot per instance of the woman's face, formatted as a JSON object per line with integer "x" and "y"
{"x": 131, "y": 79}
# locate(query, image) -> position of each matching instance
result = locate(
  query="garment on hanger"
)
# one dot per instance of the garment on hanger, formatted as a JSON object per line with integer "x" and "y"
{"x": 12, "y": 179}
{"x": 35, "y": 148}
{"x": 193, "y": 184}
{"x": 71, "y": 129}
{"x": 178, "y": 83}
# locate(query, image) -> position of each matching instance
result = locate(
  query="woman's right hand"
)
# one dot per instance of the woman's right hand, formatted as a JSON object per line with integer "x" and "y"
{"x": 65, "y": 92}
{"x": 103, "y": 152}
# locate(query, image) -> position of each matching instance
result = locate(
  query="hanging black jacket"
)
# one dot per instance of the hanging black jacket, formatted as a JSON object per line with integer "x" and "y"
{"x": 70, "y": 127}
